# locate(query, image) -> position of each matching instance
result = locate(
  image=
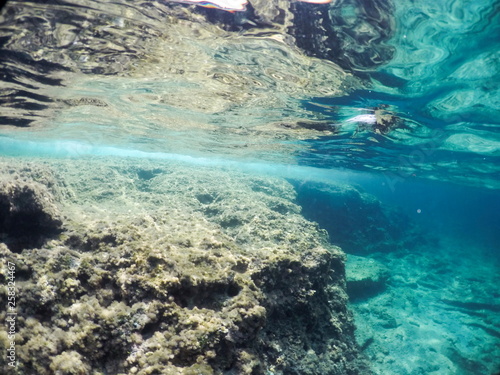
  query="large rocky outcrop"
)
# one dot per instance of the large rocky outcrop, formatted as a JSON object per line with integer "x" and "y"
{"x": 357, "y": 221}
{"x": 169, "y": 269}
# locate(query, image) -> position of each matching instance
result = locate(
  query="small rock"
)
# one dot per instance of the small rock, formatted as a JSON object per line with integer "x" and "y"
{"x": 365, "y": 277}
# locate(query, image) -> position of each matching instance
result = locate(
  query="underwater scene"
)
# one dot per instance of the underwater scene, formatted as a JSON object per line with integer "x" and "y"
{"x": 225, "y": 187}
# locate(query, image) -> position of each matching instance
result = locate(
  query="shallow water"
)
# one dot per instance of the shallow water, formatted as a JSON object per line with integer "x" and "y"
{"x": 395, "y": 99}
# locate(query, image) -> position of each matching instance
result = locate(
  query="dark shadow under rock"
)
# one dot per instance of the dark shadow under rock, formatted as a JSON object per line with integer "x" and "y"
{"x": 28, "y": 216}
{"x": 365, "y": 277}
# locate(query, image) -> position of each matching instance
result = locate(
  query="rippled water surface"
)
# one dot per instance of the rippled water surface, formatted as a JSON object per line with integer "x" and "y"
{"x": 408, "y": 89}
{"x": 399, "y": 96}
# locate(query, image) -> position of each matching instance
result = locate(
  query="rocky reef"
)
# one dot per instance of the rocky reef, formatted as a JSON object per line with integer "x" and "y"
{"x": 357, "y": 221}
{"x": 160, "y": 268}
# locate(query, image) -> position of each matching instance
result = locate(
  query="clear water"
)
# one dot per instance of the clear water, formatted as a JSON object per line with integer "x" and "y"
{"x": 290, "y": 96}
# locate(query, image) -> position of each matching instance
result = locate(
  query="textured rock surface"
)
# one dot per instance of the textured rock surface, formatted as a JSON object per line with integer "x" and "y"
{"x": 365, "y": 277}
{"x": 165, "y": 269}
{"x": 27, "y": 212}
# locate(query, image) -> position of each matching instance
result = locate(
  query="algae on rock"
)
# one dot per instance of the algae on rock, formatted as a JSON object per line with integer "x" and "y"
{"x": 181, "y": 271}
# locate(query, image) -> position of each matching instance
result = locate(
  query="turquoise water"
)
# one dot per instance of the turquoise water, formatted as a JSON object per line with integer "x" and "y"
{"x": 399, "y": 99}
{"x": 100, "y": 79}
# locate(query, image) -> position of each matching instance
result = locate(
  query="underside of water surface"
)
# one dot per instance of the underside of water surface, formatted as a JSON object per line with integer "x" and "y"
{"x": 180, "y": 183}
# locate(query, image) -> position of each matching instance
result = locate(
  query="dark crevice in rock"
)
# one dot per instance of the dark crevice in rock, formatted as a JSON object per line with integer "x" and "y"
{"x": 204, "y": 295}
{"x": 27, "y": 216}
{"x": 91, "y": 242}
{"x": 149, "y": 174}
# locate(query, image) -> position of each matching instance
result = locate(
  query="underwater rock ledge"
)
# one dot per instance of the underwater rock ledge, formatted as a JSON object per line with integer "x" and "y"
{"x": 27, "y": 213}
{"x": 168, "y": 269}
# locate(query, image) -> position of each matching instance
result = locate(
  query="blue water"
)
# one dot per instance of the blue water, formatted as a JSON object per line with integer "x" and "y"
{"x": 281, "y": 97}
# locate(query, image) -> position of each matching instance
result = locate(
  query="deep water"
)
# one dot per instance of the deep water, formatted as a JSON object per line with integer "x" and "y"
{"x": 384, "y": 115}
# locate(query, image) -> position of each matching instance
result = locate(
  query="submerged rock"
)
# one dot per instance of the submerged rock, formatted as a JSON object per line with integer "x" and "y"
{"x": 28, "y": 215}
{"x": 356, "y": 221}
{"x": 188, "y": 271}
{"x": 365, "y": 277}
